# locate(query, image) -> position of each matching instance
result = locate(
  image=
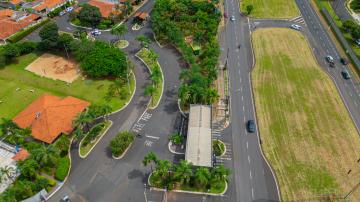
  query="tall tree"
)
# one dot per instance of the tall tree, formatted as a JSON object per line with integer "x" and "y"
{"x": 46, "y": 155}
{"x": 150, "y": 159}
{"x": 150, "y": 91}
{"x": 28, "y": 168}
{"x": 163, "y": 168}
{"x": 183, "y": 172}
{"x": 119, "y": 30}
{"x": 202, "y": 176}
{"x": 8, "y": 172}
{"x": 49, "y": 35}
{"x": 219, "y": 173}
{"x": 89, "y": 15}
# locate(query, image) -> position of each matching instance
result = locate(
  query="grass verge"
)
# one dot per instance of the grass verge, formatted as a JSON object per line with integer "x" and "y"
{"x": 92, "y": 138}
{"x": 144, "y": 54}
{"x": 271, "y": 8}
{"x": 307, "y": 134}
{"x": 15, "y": 76}
{"x": 218, "y": 147}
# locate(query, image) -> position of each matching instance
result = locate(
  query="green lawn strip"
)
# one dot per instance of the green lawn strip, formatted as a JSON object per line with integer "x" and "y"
{"x": 218, "y": 147}
{"x": 15, "y": 76}
{"x": 279, "y": 9}
{"x": 216, "y": 187}
{"x": 85, "y": 149}
{"x": 143, "y": 54}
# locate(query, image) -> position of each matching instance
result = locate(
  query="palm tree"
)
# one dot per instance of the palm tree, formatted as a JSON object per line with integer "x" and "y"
{"x": 144, "y": 41}
{"x": 83, "y": 119}
{"x": 202, "y": 176}
{"x": 150, "y": 91}
{"x": 119, "y": 30}
{"x": 46, "y": 155}
{"x": 8, "y": 172}
{"x": 219, "y": 173}
{"x": 150, "y": 158}
{"x": 163, "y": 168}
{"x": 183, "y": 171}
{"x": 153, "y": 56}
{"x": 28, "y": 168}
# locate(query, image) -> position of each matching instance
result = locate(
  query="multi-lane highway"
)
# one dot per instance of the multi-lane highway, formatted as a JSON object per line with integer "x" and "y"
{"x": 253, "y": 177}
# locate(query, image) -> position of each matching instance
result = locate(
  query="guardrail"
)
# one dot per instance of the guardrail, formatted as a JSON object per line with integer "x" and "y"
{"x": 341, "y": 39}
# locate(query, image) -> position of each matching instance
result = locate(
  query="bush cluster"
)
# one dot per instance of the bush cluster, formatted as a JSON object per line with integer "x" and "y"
{"x": 11, "y": 51}
{"x": 93, "y": 133}
{"x": 62, "y": 168}
{"x": 121, "y": 142}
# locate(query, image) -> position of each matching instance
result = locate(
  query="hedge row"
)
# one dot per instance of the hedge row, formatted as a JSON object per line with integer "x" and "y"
{"x": 62, "y": 169}
{"x": 20, "y": 35}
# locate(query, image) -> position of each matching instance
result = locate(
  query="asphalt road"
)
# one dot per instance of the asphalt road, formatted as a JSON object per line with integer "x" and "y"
{"x": 253, "y": 178}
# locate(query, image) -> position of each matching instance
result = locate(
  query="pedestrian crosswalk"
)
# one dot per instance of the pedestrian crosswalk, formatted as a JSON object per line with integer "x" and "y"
{"x": 298, "y": 20}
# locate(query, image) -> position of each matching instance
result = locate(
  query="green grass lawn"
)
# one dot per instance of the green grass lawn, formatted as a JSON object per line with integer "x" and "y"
{"x": 15, "y": 76}
{"x": 143, "y": 54}
{"x": 84, "y": 150}
{"x": 306, "y": 131}
{"x": 271, "y": 8}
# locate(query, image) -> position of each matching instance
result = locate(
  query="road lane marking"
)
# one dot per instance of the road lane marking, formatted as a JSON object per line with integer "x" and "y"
{"x": 243, "y": 108}
{"x": 242, "y": 98}
{"x": 250, "y": 175}
{"x": 247, "y": 144}
{"x": 153, "y": 137}
{"x": 244, "y": 118}
{"x": 252, "y": 193}
{"x": 249, "y": 160}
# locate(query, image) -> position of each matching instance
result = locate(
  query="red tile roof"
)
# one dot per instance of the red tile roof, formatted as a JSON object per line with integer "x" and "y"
{"x": 49, "y": 4}
{"x": 21, "y": 155}
{"x": 106, "y": 8}
{"x": 49, "y": 116}
{"x": 142, "y": 15}
{"x": 8, "y": 26}
{"x": 15, "y": 2}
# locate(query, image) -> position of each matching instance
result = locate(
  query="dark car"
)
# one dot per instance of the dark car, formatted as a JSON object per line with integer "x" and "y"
{"x": 250, "y": 125}
{"x": 345, "y": 74}
{"x": 343, "y": 61}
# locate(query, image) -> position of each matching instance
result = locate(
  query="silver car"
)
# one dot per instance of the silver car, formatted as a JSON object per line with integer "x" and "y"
{"x": 295, "y": 26}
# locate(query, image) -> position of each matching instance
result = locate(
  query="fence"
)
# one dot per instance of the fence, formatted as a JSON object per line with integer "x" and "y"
{"x": 341, "y": 38}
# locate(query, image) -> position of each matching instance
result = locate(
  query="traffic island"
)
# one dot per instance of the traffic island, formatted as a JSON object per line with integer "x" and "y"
{"x": 121, "y": 143}
{"x": 149, "y": 58}
{"x": 122, "y": 44}
{"x": 218, "y": 147}
{"x": 88, "y": 143}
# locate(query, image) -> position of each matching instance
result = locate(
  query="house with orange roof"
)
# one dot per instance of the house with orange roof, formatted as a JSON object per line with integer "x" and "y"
{"x": 13, "y": 21}
{"x": 106, "y": 7}
{"x": 13, "y": 4}
{"x": 49, "y": 5}
{"x": 49, "y": 116}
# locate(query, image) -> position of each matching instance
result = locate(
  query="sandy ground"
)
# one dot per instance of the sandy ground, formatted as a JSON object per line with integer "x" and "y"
{"x": 55, "y": 67}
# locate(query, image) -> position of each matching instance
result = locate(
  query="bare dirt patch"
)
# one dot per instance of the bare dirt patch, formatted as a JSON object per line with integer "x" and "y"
{"x": 55, "y": 67}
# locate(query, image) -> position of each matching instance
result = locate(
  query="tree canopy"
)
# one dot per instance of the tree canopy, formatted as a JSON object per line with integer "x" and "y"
{"x": 89, "y": 15}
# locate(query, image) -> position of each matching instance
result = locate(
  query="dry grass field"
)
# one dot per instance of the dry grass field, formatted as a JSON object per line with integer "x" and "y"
{"x": 55, "y": 67}
{"x": 306, "y": 131}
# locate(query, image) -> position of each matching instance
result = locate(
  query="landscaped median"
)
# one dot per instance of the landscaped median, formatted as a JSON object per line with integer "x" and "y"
{"x": 155, "y": 90}
{"x": 93, "y": 137}
{"x": 121, "y": 143}
{"x": 218, "y": 147}
{"x": 307, "y": 134}
{"x": 184, "y": 177}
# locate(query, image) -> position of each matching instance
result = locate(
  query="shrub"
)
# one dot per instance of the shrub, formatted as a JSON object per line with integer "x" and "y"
{"x": 176, "y": 138}
{"x": 62, "y": 169}
{"x": 93, "y": 133}
{"x": 121, "y": 142}
{"x": 26, "y": 47}
{"x": 63, "y": 144}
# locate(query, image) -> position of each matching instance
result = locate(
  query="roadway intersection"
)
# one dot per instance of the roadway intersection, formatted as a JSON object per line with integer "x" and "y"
{"x": 101, "y": 178}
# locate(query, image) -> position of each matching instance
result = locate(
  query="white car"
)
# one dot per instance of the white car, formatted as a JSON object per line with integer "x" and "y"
{"x": 329, "y": 58}
{"x": 69, "y": 9}
{"x": 232, "y": 18}
{"x": 296, "y": 27}
{"x": 62, "y": 13}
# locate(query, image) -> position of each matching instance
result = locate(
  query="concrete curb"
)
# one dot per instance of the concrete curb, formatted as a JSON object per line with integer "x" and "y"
{"x": 181, "y": 111}
{"x": 162, "y": 75}
{"x": 97, "y": 141}
{"x": 63, "y": 182}
{"x": 188, "y": 192}
{"x": 123, "y": 154}
{"x": 172, "y": 151}
{"x": 255, "y": 115}
{"x": 133, "y": 93}
{"x": 157, "y": 42}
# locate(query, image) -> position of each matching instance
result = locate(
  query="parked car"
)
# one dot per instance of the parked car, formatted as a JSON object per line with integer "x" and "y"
{"x": 250, "y": 126}
{"x": 345, "y": 74}
{"x": 62, "y": 13}
{"x": 344, "y": 61}
{"x": 357, "y": 41}
{"x": 232, "y": 18}
{"x": 95, "y": 32}
{"x": 295, "y": 26}
{"x": 329, "y": 59}
{"x": 69, "y": 9}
